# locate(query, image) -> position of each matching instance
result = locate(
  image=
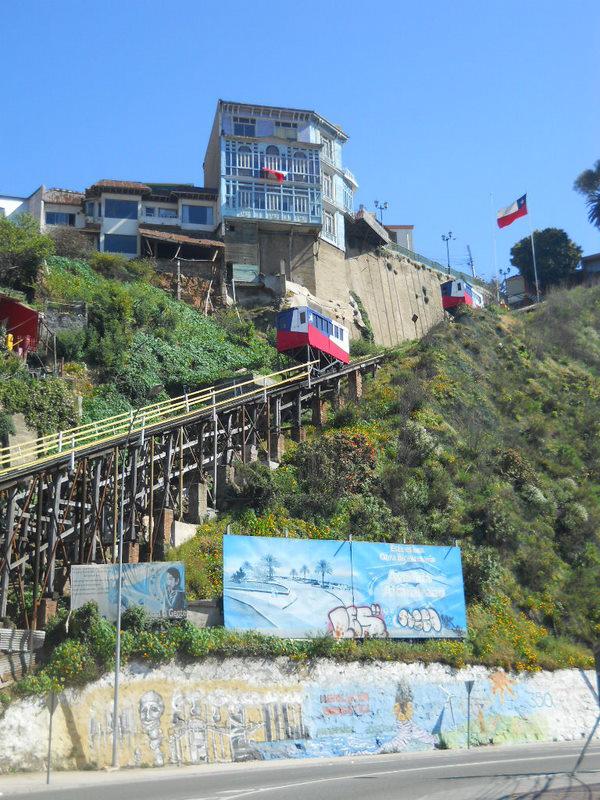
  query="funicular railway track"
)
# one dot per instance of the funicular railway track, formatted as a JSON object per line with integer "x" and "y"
{"x": 60, "y": 495}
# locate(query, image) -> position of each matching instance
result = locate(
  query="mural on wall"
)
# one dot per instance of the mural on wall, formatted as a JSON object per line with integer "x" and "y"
{"x": 179, "y": 718}
{"x": 157, "y": 587}
{"x": 302, "y": 588}
{"x": 170, "y": 725}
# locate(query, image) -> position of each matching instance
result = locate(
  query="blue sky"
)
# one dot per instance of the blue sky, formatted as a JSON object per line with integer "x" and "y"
{"x": 444, "y": 102}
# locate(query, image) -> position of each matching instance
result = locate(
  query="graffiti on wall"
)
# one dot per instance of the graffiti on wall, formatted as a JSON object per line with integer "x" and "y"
{"x": 349, "y": 590}
{"x": 174, "y": 721}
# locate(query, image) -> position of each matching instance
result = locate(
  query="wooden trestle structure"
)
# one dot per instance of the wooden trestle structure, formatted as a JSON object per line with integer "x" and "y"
{"x": 60, "y": 495}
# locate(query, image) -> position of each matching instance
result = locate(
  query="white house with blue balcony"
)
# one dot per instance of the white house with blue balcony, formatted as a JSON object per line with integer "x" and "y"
{"x": 281, "y": 167}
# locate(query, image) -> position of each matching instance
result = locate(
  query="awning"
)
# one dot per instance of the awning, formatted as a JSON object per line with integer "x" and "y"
{"x": 178, "y": 238}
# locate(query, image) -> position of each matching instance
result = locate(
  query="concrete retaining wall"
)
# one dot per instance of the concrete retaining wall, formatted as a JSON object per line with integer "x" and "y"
{"x": 393, "y": 290}
{"x": 239, "y": 710}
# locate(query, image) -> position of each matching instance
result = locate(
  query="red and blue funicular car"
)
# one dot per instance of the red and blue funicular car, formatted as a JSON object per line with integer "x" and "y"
{"x": 304, "y": 333}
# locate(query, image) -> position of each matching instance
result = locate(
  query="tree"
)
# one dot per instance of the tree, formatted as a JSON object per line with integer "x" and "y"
{"x": 557, "y": 257}
{"x": 293, "y": 574}
{"x": 323, "y": 568}
{"x": 588, "y": 184}
{"x": 304, "y": 570}
{"x": 270, "y": 563}
{"x": 239, "y": 576}
{"x": 22, "y": 250}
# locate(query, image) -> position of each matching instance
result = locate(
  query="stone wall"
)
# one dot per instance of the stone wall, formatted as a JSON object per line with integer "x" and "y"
{"x": 392, "y": 288}
{"x": 234, "y": 710}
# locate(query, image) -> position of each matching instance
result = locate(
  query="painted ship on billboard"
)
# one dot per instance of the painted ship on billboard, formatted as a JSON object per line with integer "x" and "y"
{"x": 311, "y": 587}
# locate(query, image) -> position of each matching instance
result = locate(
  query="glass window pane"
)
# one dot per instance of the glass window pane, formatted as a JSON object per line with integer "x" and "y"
{"x": 198, "y": 215}
{"x": 120, "y": 209}
{"x": 118, "y": 243}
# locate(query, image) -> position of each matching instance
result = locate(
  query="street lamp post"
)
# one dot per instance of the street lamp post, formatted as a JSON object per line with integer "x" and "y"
{"x": 382, "y": 207}
{"x": 447, "y": 237}
{"x": 154, "y": 391}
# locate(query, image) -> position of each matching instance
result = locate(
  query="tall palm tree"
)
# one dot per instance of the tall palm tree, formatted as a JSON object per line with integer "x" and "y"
{"x": 323, "y": 568}
{"x": 588, "y": 184}
{"x": 293, "y": 574}
{"x": 304, "y": 570}
{"x": 270, "y": 563}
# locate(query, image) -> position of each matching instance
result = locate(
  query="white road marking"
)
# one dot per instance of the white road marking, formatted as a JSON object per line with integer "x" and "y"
{"x": 260, "y": 789}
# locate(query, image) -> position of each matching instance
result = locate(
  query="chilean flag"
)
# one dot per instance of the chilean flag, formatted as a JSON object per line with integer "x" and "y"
{"x": 506, "y": 216}
{"x": 274, "y": 174}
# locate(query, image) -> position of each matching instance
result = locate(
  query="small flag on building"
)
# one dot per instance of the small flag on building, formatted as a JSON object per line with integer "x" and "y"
{"x": 273, "y": 174}
{"x": 507, "y": 216}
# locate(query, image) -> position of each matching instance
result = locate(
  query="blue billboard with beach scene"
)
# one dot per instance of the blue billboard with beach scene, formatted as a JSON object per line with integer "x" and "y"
{"x": 301, "y": 588}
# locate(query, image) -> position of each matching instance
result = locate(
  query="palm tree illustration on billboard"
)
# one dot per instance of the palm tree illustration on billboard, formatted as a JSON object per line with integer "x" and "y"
{"x": 304, "y": 570}
{"x": 323, "y": 568}
{"x": 270, "y": 563}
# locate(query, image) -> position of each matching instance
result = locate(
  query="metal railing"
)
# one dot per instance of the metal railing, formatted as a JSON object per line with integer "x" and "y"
{"x": 71, "y": 441}
{"x": 398, "y": 248}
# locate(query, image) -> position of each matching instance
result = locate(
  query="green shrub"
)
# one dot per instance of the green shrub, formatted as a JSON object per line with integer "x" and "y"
{"x": 71, "y": 344}
{"x": 72, "y": 664}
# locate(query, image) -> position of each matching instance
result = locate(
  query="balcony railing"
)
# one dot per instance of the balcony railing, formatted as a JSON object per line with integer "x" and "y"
{"x": 272, "y": 202}
{"x": 297, "y": 164}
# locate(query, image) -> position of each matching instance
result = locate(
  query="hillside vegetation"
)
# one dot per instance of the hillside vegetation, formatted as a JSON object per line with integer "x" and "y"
{"x": 484, "y": 433}
{"x": 137, "y": 337}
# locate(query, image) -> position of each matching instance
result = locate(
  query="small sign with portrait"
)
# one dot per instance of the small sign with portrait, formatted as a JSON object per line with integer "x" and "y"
{"x": 157, "y": 587}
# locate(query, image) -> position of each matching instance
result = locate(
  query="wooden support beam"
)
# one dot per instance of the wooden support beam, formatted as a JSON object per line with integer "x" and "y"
{"x": 9, "y": 534}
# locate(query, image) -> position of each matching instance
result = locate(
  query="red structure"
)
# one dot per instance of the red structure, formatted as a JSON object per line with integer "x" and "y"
{"x": 21, "y": 321}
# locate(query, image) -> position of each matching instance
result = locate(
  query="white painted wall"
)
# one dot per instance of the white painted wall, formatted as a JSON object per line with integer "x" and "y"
{"x": 13, "y": 206}
{"x": 294, "y": 710}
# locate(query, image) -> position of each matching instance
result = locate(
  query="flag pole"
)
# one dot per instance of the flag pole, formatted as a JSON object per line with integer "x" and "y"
{"x": 494, "y": 247}
{"x": 537, "y": 285}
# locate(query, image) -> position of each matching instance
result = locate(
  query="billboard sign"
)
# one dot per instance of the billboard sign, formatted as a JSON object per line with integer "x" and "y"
{"x": 157, "y": 587}
{"x": 310, "y": 587}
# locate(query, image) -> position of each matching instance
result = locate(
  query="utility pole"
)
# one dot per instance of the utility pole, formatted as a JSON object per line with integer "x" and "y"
{"x": 447, "y": 237}
{"x": 471, "y": 264}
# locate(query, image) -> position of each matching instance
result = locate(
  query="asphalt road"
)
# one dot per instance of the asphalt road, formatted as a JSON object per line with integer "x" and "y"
{"x": 532, "y": 771}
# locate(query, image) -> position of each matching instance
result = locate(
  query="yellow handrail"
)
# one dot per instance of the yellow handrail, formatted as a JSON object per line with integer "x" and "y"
{"x": 74, "y": 439}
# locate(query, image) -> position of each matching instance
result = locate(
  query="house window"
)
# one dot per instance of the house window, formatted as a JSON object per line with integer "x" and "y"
{"x": 302, "y": 317}
{"x": 272, "y": 160}
{"x": 329, "y": 224}
{"x": 99, "y": 209}
{"x": 286, "y": 130}
{"x": 118, "y": 243}
{"x": 244, "y": 160}
{"x": 301, "y": 204}
{"x": 89, "y": 208}
{"x": 60, "y": 218}
{"x": 300, "y": 165}
{"x": 273, "y": 201}
{"x": 167, "y": 213}
{"x": 197, "y": 215}
{"x": 327, "y": 149}
{"x": 328, "y": 186}
{"x": 120, "y": 209}
{"x": 150, "y": 211}
{"x": 244, "y": 126}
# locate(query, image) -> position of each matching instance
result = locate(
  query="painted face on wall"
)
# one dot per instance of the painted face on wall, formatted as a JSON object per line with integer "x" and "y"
{"x": 151, "y": 710}
{"x": 171, "y": 582}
